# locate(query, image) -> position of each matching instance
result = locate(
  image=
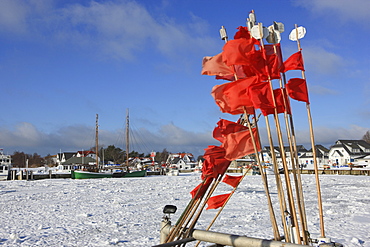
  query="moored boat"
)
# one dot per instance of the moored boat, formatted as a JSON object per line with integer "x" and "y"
{"x": 87, "y": 174}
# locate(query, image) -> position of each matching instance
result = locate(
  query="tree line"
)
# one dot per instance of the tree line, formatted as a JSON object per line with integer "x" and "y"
{"x": 110, "y": 153}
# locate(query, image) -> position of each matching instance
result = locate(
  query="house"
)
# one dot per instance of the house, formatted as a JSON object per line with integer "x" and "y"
{"x": 305, "y": 157}
{"x": 345, "y": 152}
{"x": 63, "y": 157}
{"x": 181, "y": 160}
{"x": 75, "y": 163}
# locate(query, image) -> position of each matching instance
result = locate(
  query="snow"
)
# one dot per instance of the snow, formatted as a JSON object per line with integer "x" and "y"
{"x": 128, "y": 211}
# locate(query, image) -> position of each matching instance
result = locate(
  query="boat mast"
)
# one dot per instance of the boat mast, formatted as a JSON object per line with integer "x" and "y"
{"x": 127, "y": 137}
{"x": 96, "y": 142}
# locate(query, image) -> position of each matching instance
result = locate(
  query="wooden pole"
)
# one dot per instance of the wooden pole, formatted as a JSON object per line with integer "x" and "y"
{"x": 223, "y": 206}
{"x": 127, "y": 138}
{"x": 319, "y": 199}
{"x": 295, "y": 162}
{"x": 264, "y": 178}
{"x": 281, "y": 145}
{"x": 96, "y": 142}
{"x": 279, "y": 185}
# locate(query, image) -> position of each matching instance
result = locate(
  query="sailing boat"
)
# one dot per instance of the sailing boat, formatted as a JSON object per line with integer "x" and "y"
{"x": 92, "y": 172}
{"x": 129, "y": 173}
{"x": 97, "y": 172}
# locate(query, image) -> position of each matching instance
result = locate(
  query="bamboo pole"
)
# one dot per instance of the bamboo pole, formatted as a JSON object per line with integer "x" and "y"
{"x": 223, "y": 206}
{"x": 281, "y": 145}
{"x": 264, "y": 179}
{"x": 322, "y": 229}
{"x": 194, "y": 203}
{"x": 263, "y": 176}
{"x": 295, "y": 162}
{"x": 200, "y": 210}
{"x": 279, "y": 186}
{"x": 293, "y": 156}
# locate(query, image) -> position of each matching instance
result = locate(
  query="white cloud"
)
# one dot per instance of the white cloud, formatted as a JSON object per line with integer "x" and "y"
{"x": 27, "y": 138}
{"x": 116, "y": 29}
{"x": 342, "y": 10}
{"x": 317, "y": 89}
{"x": 13, "y": 16}
{"x": 327, "y": 136}
{"x": 320, "y": 60}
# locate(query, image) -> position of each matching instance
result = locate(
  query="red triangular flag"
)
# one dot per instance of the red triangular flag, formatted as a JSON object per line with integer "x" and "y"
{"x": 225, "y": 127}
{"x": 297, "y": 89}
{"x": 217, "y": 201}
{"x": 214, "y": 162}
{"x": 199, "y": 191}
{"x": 261, "y": 95}
{"x": 232, "y": 180}
{"x": 294, "y": 62}
{"x": 232, "y": 97}
{"x": 281, "y": 103}
{"x": 215, "y": 66}
{"x": 242, "y": 33}
{"x": 234, "y": 51}
{"x": 240, "y": 144}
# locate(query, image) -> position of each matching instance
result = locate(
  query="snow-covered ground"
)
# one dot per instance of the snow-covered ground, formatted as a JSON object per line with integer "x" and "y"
{"x": 128, "y": 211}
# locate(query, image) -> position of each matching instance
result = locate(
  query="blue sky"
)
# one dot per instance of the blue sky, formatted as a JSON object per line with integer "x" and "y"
{"x": 63, "y": 61}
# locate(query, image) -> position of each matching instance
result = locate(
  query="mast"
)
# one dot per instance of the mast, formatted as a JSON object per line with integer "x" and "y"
{"x": 127, "y": 137}
{"x": 96, "y": 142}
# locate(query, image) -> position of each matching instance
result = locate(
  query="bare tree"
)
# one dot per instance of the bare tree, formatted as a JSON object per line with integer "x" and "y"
{"x": 366, "y": 137}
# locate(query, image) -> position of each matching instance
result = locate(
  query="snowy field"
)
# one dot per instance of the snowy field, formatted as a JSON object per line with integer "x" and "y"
{"x": 128, "y": 211}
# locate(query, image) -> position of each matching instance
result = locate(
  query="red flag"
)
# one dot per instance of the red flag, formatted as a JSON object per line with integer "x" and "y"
{"x": 232, "y": 180}
{"x": 238, "y": 72}
{"x": 281, "y": 103}
{"x": 217, "y": 201}
{"x": 199, "y": 191}
{"x": 297, "y": 89}
{"x": 264, "y": 63}
{"x": 232, "y": 97}
{"x": 273, "y": 58}
{"x": 214, "y": 162}
{"x": 294, "y": 62}
{"x": 234, "y": 51}
{"x": 261, "y": 95}
{"x": 240, "y": 144}
{"x": 225, "y": 127}
{"x": 242, "y": 33}
{"x": 215, "y": 66}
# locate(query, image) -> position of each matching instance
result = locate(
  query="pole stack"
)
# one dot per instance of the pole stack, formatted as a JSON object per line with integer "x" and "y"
{"x": 255, "y": 83}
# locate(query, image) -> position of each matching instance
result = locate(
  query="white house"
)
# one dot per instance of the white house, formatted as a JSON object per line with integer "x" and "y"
{"x": 305, "y": 157}
{"x": 344, "y": 152}
{"x": 182, "y": 160}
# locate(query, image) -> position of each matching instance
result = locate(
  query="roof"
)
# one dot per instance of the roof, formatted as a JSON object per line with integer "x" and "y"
{"x": 79, "y": 160}
{"x": 349, "y": 145}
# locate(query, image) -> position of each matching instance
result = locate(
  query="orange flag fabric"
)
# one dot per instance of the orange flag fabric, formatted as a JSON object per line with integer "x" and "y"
{"x": 261, "y": 95}
{"x": 214, "y": 161}
{"x": 217, "y": 201}
{"x": 242, "y": 32}
{"x": 240, "y": 144}
{"x": 232, "y": 180}
{"x": 297, "y": 89}
{"x": 199, "y": 191}
{"x": 232, "y": 97}
{"x": 234, "y": 51}
{"x": 294, "y": 62}
{"x": 281, "y": 103}
{"x": 215, "y": 66}
{"x": 225, "y": 127}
